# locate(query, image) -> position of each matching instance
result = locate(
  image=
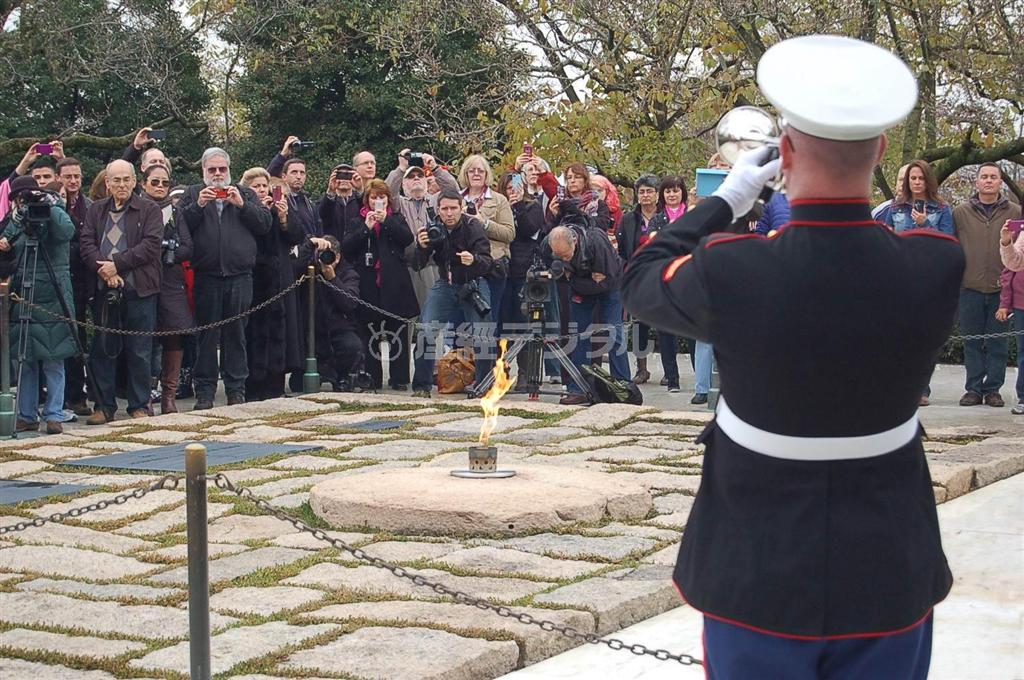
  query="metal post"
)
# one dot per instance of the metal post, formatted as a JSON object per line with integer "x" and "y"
{"x": 311, "y": 378}
{"x": 198, "y": 565}
{"x": 6, "y": 398}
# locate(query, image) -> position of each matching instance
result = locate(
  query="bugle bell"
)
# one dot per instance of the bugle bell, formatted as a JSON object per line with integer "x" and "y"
{"x": 745, "y": 128}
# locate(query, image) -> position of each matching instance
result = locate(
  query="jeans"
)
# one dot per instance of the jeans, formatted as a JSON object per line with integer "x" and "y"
{"x": 134, "y": 313}
{"x": 984, "y": 360}
{"x": 442, "y": 308}
{"x": 582, "y": 312}
{"x": 28, "y": 390}
{"x": 668, "y": 347}
{"x": 498, "y": 287}
{"x": 218, "y": 298}
{"x": 1018, "y": 325}
{"x": 703, "y": 356}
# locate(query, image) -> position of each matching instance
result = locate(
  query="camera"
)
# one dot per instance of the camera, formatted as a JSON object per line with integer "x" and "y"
{"x": 346, "y": 175}
{"x": 436, "y": 231}
{"x": 470, "y": 292}
{"x": 299, "y": 144}
{"x": 220, "y": 192}
{"x": 170, "y": 248}
{"x": 537, "y": 289}
{"x": 327, "y": 257}
{"x": 470, "y": 207}
{"x": 415, "y": 159}
{"x": 112, "y": 296}
{"x": 37, "y": 210}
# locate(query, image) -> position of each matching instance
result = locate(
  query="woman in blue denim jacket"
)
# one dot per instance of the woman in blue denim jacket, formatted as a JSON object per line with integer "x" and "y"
{"x": 918, "y": 205}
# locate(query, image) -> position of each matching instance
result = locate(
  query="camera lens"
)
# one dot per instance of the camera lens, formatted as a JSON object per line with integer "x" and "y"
{"x": 327, "y": 256}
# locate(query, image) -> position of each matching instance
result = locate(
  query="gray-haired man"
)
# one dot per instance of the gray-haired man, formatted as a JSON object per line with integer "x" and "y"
{"x": 224, "y": 220}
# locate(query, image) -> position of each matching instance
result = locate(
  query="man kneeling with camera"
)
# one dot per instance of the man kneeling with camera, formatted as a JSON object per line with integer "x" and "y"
{"x": 459, "y": 247}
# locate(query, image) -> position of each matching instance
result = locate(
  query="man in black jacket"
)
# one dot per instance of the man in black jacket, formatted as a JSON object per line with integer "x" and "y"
{"x": 293, "y": 171}
{"x": 463, "y": 259}
{"x": 224, "y": 220}
{"x": 594, "y": 271}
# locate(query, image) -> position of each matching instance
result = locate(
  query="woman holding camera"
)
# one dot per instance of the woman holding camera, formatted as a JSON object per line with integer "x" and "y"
{"x": 173, "y": 312}
{"x": 918, "y": 205}
{"x": 376, "y": 248}
{"x": 273, "y": 335}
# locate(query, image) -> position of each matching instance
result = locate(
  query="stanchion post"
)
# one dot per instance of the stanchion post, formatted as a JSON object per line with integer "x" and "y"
{"x": 311, "y": 378}
{"x": 198, "y": 565}
{"x": 6, "y": 397}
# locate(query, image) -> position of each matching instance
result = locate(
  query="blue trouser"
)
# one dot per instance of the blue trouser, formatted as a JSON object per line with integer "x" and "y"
{"x": 582, "y": 311}
{"x": 732, "y": 652}
{"x": 703, "y": 357}
{"x": 441, "y": 309}
{"x": 984, "y": 360}
{"x": 1018, "y": 325}
{"x": 28, "y": 390}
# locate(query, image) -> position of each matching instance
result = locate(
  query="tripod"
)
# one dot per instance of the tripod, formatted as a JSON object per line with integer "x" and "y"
{"x": 28, "y": 265}
{"x": 534, "y": 344}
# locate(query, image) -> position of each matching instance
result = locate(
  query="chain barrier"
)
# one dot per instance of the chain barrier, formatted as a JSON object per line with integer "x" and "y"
{"x": 168, "y": 482}
{"x": 157, "y": 334}
{"x": 222, "y": 482}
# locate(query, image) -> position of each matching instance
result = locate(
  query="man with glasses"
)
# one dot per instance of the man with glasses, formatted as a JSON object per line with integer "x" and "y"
{"x": 120, "y": 244}
{"x": 365, "y": 164}
{"x": 224, "y": 219}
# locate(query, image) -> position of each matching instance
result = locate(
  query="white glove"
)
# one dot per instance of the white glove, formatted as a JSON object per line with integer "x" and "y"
{"x": 744, "y": 183}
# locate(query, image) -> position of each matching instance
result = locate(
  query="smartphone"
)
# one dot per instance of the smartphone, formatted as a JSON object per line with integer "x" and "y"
{"x": 157, "y": 134}
{"x": 219, "y": 192}
{"x": 44, "y": 149}
{"x": 1015, "y": 227}
{"x": 517, "y": 182}
{"x": 276, "y": 193}
{"x": 528, "y": 149}
{"x": 379, "y": 204}
{"x": 560, "y": 193}
{"x": 919, "y": 206}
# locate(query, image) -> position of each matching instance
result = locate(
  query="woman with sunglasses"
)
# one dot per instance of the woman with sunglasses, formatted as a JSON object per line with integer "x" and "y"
{"x": 173, "y": 312}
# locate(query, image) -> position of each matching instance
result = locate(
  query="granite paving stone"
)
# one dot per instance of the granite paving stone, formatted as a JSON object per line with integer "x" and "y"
{"x": 572, "y": 546}
{"x": 10, "y": 576}
{"x": 408, "y": 551}
{"x": 673, "y": 502}
{"x": 309, "y": 463}
{"x": 40, "y": 641}
{"x": 233, "y": 647}
{"x": 51, "y": 452}
{"x": 638, "y": 530}
{"x": 993, "y": 459}
{"x": 233, "y": 566}
{"x": 18, "y": 669}
{"x": 180, "y": 551}
{"x": 307, "y": 541}
{"x": 956, "y": 478}
{"x": 14, "y": 468}
{"x": 385, "y": 654}
{"x": 540, "y": 436}
{"x": 627, "y": 454}
{"x": 644, "y": 427}
{"x": 684, "y": 447}
{"x": 166, "y": 436}
{"x": 688, "y": 417}
{"x": 667, "y": 556}
{"x": 465, "y": 619}
{"x": 263, "y": 601}
{"x": 72, "y": 536}
{"x": 603, "y": 416}
{"x": 290, "y": 501}
{"x": 595, "y": 441}
{"x": 114, "y": 591}
{"x": 90, "y": 479}
{"x": 103, "y": 447}
{"x": 671, "y": 520}
{"x": 287, "y": 485}
{"x": 163, "y": 522}
{"x": 140, "y": 620}
{"x": 346, "y": 419}
{"x": 239, "y": 528}
{"x": 64, "y": 561}
{"x": 404, "y": 449}
{"x": 261, "y": 433}
{"x": 269, "y": 408}
{"x": 137, "y": 506}
{"x": 472, "y": 425}
{"x": 366, "y": 579}
{"x": 663, "y": 481}
{"x": 251, "y": 475}
{"x": 487, "y": 559}
{"x": 616, "y": 603}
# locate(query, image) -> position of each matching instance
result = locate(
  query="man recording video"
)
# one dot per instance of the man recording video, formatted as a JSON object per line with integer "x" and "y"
{"x": 594, "y": 272}
{"x": 459, "y": 247}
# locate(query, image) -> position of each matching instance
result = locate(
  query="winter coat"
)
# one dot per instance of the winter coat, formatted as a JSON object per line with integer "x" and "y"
{"x": 225, "y": 244}
{"x": 173, "y": 312}
{"x": 139, "y": 264}
{"x": 378, "y": 258}
{"x": 48, "y": 338}
{"x": 530, "y": 229}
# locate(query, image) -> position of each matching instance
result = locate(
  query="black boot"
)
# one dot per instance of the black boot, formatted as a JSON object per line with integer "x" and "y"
{"x": 185, "y": 389}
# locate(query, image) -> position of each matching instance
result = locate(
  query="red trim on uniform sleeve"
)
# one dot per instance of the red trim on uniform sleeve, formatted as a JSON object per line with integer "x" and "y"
{"x": 929, "y": 232}
{"x": 673, "y": 266}
{"x": 806, "y": 638}
{"x": 828, "y": 201}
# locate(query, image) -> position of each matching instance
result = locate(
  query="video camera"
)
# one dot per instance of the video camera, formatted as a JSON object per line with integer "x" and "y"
{"x": 37, "y": 204}
{"x": 537, "y": 289}
{"x": 299, "y": 144}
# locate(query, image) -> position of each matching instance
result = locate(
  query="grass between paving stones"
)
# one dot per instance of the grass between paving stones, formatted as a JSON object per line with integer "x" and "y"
{"x": 115, "y": 665}
{"x": 959, "y": 439}
{"x": 266, "y": 664}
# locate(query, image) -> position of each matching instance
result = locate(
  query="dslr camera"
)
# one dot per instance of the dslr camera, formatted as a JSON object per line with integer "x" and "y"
{"x": 170, "y": 248}
{"x": 436, "y": 231}
{"x": 415, "y": 159}
{"x": 470, "y": 292}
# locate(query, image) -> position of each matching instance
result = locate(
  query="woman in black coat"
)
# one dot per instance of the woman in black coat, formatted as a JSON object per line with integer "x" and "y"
{"x": 376, "y": 248}
{"x": 274, "y": 339}
{"x": 173, "y": 312}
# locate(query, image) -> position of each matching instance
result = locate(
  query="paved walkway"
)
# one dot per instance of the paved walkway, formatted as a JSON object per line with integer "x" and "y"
{"x": 979, "y": 629}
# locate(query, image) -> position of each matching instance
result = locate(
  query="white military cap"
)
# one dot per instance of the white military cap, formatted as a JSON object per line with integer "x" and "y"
{"x": 837, "y": 88}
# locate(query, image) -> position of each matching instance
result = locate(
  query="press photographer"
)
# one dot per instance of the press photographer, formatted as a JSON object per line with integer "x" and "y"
{"x": 49, "y": 343}
{"x": 461, "y": 250}
{"x": 121, "y": 242}
{"x": 594, "y": 272}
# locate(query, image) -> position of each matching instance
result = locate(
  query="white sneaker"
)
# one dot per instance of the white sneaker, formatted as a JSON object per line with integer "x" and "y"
{"x": 1018, "y": 410}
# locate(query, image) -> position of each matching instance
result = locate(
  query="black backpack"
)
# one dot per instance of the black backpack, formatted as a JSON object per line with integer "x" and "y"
{"x": 609, "y": 390}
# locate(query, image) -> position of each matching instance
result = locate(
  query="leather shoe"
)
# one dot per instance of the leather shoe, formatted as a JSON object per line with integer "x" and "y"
{"x": 203, "y": 405}
{"x": 99, "y": 417}
{"x": 923, "y": 401}
{"x": 25, "y": 426}
{"x": 699, "y": 398}
{"x": 994, "y": 399}
{"x": 574, "y": 400}
{"x": 80, "y": 408}
{"x": 970, "y": 399}
{"x": 236, "y": 399}
{"x": 139, "y": 413}
{"x": 54, "y": 427}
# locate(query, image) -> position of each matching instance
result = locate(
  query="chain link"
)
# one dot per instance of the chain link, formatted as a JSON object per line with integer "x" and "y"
{"x": 222, "y": 482}
{"x": 168, "y": 482}
{"x": 157, "y": 334}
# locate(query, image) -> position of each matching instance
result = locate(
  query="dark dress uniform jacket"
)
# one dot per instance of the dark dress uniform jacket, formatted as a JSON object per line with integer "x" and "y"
{"x": 829, "y": 329}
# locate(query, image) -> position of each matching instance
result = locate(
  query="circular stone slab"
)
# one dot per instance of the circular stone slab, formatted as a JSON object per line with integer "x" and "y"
{"x": 431, "y": 501}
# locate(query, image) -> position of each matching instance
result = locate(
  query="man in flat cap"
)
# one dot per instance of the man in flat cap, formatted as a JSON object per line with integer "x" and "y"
{"x": 813, "y": 546}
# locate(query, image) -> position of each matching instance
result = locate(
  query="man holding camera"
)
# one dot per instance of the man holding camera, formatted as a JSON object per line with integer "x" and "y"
{"x": 144, "y": 151}
{"x": 121, "y": 242}
{"x": 224, "y": 220}
{"x": 594, "y": 272}
{"x": 293, "y": 171}
{"x": 461, "y": 250}
{"x": 340, "y": 205}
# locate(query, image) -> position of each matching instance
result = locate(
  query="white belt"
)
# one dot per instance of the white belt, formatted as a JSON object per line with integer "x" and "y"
{"x": 812, "y": 448}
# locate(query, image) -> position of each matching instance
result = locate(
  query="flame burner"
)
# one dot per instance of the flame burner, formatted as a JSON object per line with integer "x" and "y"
{"x": 483, "y": 464}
